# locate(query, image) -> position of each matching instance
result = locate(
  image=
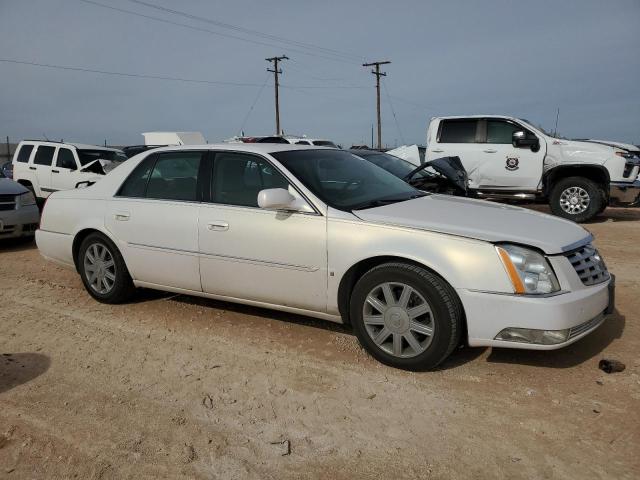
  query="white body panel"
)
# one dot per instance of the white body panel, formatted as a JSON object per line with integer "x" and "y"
{"x": 173, "y": 138}
{"x": 296, "y": 261}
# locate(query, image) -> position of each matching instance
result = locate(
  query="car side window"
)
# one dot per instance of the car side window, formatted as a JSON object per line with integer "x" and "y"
{"x": 501, "y": 132}
{"x": 66, "y": 159}
{"x": 175, "y": 176}
{"x": 24, "y": 153}
{"x": 238, "y": 178}
{"x": 458, "y": 131}
{"x": 44, "y": 155}
{"x": 136, "y": 184}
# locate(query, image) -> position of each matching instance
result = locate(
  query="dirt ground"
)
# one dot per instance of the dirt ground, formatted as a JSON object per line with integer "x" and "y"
{"x": 178, "y": 387}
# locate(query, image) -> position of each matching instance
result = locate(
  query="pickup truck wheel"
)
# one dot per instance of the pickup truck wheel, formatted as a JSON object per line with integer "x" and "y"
{"x": 103, "y": 271}
{"x": 405, "y": 316}
{"x": 577, "y": 198}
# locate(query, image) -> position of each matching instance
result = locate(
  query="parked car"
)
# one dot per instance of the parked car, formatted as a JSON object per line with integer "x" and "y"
{"x": 133, "y": 150}
{"x": 442, "y": 175}
{"x": 286, "y": 139}
{"x": 508, "y": 158}
{"x": 19, "y": 214}
{"x": 325, "y": 233}
{"x": 6, "y": 170}
{"x": 45, "y": 167}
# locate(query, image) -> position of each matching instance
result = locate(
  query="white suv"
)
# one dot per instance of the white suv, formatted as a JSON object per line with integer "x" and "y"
{"x": 45, "y": 167}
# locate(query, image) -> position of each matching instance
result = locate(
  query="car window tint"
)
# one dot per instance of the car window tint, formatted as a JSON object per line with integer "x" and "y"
{"x": 136, "y": 183}
{"x": 24, "y": 153}
{"x": 175, "y": 176}
{"x": 66, "y": 159}
{"x": 458, "y": 131}
{"x": 44, "y": 155}
{"x": 238, "y": 178}
{"x": 500, "y": 132}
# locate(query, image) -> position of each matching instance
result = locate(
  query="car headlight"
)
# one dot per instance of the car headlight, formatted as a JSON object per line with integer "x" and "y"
{"x": 26, "y": 199}
{"x": 529, "y": 271}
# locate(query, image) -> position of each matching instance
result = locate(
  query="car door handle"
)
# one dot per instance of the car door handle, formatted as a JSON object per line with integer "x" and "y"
{"x": 55, "y": 171}
{"x": 217, "y": 226}
{"x": 122, "y": 216}
{"x": 32, "y": 168}
{"x": 490, "y": 150}
{"x": 437, "y": 150}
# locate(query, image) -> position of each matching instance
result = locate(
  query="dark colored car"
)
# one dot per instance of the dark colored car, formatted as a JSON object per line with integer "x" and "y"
{"x": 132, "y": 150}
{"x": 442, "y": 175}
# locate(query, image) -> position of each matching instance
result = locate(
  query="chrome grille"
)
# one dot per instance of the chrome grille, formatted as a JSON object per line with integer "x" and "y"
{"x": 7, "y": 202}
{"x": 586, "y": 326}
{"x": 588, "y": 265}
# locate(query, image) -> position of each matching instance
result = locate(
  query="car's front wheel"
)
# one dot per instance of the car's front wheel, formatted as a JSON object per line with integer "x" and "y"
{"x": 103, "y": 271}
{"x": 577, "y": 198}
{"x": 406, "y": 316}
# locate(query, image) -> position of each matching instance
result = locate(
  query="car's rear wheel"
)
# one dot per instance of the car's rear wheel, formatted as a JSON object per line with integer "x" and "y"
{"x": 406, "y": 316}
{"x": 103, "y": 271}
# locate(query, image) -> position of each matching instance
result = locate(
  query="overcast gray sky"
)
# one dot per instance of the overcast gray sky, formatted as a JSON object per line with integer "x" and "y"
{"x": 456, "y": 57}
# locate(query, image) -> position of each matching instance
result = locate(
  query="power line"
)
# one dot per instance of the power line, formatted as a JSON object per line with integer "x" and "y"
{"x": 246, "y": 117}
{"x": 237, "y": 28}
{"x": 134, "y": 75}
{"x": 212, "y": 32}
{"x": 386, "y": 91}
{"x": 158, "y": 77}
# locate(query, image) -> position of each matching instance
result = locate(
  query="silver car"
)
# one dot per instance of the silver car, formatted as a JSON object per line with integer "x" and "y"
{"x": 19, "y": 214}
{"x": 325, "y": 233}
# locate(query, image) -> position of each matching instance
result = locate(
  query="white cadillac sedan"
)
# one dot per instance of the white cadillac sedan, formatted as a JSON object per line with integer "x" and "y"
{"x": 322, "y": 232}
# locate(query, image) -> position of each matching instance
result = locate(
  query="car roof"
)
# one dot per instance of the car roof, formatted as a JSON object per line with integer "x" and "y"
{"x": 455, "y": 117}
{"x": 81, "y": 146}
{"x": 246, "y": 147}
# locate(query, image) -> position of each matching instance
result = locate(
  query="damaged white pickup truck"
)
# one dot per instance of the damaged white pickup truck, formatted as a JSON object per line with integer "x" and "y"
{"x": 508, "y": 158}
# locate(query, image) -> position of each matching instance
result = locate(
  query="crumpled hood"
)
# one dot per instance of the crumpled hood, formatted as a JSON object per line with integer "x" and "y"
{"x": 9, "y": 187}
{"x": 482, "y": 220}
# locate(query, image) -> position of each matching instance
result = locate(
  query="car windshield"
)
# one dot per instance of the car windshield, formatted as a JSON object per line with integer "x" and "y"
{"x": 345, "y": 181}
{"x": 88, "y": 156}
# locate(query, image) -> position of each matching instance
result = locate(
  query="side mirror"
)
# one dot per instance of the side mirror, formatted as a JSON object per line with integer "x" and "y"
{"x": 280, "y": 199}
{"x": 520, "y": 139}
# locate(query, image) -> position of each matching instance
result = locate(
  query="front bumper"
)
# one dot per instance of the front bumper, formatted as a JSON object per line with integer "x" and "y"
{"x": 22, "y": 222}
{"x": 624, "y": 193}
{"x": 581, "y": 312}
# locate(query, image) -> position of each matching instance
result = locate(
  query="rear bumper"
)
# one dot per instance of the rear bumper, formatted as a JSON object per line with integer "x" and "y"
{"x": 57, "y": 247}
{"x": 488, "y": 314}
{"x": 19, "y": 223}
{"x": 624, "y": 193}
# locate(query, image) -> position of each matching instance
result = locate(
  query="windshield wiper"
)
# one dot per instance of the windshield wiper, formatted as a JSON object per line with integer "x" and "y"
{"x": 412, "y": 173}
{"x": 379, "y": 202}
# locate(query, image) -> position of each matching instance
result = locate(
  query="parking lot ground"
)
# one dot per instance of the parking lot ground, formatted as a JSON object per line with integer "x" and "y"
{"x": 170, "y": 386}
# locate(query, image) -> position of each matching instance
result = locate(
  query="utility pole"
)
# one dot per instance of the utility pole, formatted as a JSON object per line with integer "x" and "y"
{"x": 378, "y": 74}
{"x": 555, "y": 134}
{"x": 276, "y": 71}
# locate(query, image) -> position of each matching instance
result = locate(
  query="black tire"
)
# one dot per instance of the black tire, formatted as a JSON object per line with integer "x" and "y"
{"x": 122, "y": 287}
{"x": 446, "y": 316}
{"x": 595, "y": 201}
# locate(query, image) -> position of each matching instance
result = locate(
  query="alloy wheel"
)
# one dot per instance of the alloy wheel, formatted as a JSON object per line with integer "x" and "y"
{"x": 398, "y": 319}
{"x": 574, "y": 200}
{"x": 99, "y": 268}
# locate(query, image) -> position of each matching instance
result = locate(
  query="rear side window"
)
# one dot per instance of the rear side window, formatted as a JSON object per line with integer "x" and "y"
{"x": 136, "y": 184}
{"x": 66, "y": 159}
{"x": 175, "y": 176}
{"x": 44, "y": 155}
{"x": 458, "y": 131}
{"x": 24, "y": 153}
{"x": 238, "y": 178}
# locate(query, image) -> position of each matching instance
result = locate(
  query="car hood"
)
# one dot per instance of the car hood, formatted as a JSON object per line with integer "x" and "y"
{"x": 9, "y": 187}
{"x": 482, "y": 220}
